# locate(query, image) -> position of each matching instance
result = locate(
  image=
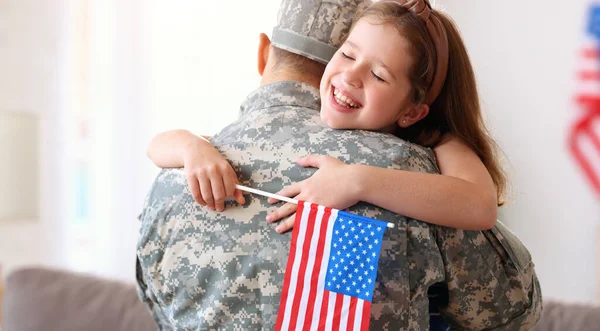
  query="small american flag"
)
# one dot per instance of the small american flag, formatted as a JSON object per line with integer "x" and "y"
{"x": 331, "y": 270}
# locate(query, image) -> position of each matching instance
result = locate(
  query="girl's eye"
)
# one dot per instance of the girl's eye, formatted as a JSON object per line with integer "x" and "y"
{"x": 347, "y": 56}
{"x": 377, "y": 77}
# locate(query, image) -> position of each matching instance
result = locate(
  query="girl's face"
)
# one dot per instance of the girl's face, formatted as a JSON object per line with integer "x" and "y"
{"x": 366, "y": 83}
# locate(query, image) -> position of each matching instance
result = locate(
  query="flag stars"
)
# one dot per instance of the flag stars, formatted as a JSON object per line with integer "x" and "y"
{"x": 352, "y": 260}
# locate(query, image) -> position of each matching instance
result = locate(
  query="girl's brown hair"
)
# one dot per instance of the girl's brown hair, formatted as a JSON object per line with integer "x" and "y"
{"x": 456, "y": 110}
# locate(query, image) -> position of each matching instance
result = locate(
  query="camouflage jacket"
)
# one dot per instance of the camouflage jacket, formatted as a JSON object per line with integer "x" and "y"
{"x": 201, "y": 269}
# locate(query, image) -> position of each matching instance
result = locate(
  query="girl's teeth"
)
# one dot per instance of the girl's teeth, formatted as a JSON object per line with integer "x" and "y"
{"x": 343, "y": 100}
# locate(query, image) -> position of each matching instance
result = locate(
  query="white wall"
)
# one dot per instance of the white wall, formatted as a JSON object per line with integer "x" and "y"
{"x": 32, "y": 39}
{"x": 201, "y": 59}
{"x": 525, "y": 58}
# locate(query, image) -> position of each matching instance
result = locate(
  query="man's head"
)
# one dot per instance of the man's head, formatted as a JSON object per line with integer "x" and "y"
{"x": 307, "y": 34}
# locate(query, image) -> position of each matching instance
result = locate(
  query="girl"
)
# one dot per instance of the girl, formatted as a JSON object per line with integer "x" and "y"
{"x": 403, "y": 69}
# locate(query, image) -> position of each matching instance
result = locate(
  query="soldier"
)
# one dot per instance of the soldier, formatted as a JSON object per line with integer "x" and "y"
{"x": 204, "y": 269}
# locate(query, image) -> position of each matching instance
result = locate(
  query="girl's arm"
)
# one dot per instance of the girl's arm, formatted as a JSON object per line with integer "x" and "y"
{"x": 463, "y": 196}
{"x": 209, "y": 175}
{"x": 167, "y": 149}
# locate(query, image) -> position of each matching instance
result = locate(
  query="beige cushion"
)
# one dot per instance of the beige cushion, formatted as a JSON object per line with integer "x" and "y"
{"x": 44, "y": 299}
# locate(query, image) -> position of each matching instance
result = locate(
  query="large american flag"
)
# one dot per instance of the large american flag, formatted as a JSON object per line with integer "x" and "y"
{"x": 332, "y": 266}
{"x": 584, "y": 138}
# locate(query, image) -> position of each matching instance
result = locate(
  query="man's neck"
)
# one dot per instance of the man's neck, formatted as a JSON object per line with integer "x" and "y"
{"x": 269, "y": 78}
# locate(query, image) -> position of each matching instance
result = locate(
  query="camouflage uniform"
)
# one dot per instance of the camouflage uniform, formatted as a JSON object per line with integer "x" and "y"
{"x": 201, "y": 269}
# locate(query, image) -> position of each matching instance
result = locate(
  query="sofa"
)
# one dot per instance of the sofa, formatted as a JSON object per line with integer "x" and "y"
{"x": 47, "y": 299}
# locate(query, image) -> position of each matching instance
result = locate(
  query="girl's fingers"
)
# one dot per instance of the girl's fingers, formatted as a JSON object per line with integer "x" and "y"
{"x": 218, "y": 191}
{"x": 286, "y": 225}
{"x": 206, "y": 191}
{"x": 195, "y": 189}
{"x": 281, "y": 212}
{"x": 288, "y": 191}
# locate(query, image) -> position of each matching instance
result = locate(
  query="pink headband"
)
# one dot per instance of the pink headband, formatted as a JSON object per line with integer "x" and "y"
{"x": 422, "y": 8}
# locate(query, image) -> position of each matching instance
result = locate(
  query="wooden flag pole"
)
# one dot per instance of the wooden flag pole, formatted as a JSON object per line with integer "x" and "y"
{"x": 279, "y": 197}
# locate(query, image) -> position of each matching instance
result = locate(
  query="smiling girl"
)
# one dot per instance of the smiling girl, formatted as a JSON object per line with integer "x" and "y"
{"x": 404, "y": 69}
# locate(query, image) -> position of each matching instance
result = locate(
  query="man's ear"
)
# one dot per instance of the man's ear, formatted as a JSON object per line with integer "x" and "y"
{"x": 413, "y": 115}
{"x": 264, "y": 45}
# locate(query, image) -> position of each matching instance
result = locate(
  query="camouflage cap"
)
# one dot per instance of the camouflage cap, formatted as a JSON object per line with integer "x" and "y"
{"x": 314, "y": 28}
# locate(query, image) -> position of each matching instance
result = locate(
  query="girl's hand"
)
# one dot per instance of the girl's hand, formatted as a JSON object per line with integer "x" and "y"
{"x": 210, "y": 177}
{"x": 332, "y": 186}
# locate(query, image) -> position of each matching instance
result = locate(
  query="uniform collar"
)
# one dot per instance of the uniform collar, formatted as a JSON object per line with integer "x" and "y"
{"x": 282, "y": 93}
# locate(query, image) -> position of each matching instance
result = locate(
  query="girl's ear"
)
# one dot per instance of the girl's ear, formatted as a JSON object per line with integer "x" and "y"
{"x": 413, "y": 115}
{"x": 264, "y": 44}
